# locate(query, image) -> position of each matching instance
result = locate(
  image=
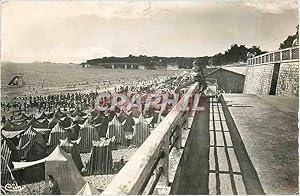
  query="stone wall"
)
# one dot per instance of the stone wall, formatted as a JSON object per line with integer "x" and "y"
{"x": 288, "y": 79}
{"x": 258, "y": 79}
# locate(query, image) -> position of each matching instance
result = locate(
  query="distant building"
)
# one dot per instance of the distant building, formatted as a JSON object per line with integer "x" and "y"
{"x": 141, "y": 67}
{"x": 113, "y": 65}
{"x": 230, "y": 79}
{"x": 172, "y": 67}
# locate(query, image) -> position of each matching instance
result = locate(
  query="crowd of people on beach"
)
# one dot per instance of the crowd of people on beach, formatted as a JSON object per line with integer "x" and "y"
{"x": 32, "y": 105}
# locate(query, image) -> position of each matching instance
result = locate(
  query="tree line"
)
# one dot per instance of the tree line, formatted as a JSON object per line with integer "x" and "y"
{"x": 234, "y": 54}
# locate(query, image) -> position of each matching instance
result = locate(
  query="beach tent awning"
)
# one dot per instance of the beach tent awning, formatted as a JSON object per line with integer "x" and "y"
{"x": 56, "y": 155}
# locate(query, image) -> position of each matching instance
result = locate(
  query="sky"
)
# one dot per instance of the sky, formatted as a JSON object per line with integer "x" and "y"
{"x": 65, "y": 31}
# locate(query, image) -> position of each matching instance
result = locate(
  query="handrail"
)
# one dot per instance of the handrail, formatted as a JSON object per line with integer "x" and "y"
{"x": 131, "y": 178}
{"x": 283, "y": 55}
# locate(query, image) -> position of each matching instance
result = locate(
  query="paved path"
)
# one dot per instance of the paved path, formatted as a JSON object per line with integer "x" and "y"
{"x": 268, "y": 128}
{"x": 244, "y": 144}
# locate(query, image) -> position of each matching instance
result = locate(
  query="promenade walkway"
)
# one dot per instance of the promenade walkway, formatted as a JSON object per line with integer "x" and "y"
{"x": 249, "y": 146}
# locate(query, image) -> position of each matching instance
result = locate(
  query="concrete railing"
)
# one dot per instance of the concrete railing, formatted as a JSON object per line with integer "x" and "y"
{"x": 153, "y": 154}
{"x": 279, "y": 56}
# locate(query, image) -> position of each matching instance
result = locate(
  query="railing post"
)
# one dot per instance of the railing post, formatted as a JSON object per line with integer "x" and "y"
{"x": 164, "y": 178}
{"x": 178, "y": 130}
{"x": 183, "y": 124}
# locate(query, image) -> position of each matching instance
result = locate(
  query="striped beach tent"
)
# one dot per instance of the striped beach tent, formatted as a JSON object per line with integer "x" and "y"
{"x": 50, "y": 115}
{"x": 94, "y": 112}
{"x": 13, "y": 147}
{"x": 135, "y": 112}
{"x": 21, "y": 126}
{"x": 53, "y": 121}
{"x": 42, "y": 116}
{"x": 121, "y": 116}
{"x": 8, "y": 126}
{"x": 72, "y": 147}
{"x": 102, "y": 127}
{"x": 38, "y": 150}
{"x": 88, "y": 116}
{"x": 101, "y": 157}
{"x": 27, "y": 140}
{"x": 99, "y": 118}
{"x": 6, "y": 162}
{"x": 61, "y": 166}
{"x": 77, "y": 112}
{"x": 12, "y": 134}
{"x": 141, "y": 130}
{"x": 58, "y": 113}
{"x": 43, "y": 123}
{"x": 115, "y": 128}
{"x": 36, "y": 124}
{"x": 88, "y": 133}
{"x": 73, "y": 131}
{"x": 66, "y": 121}
{"x": 78, "y": 119}
{"x": 57, "y": 133}
{"x": 44, "y": 131}
{"x": 24, "y": 117}
{"x": 111, "y": 115}
{"x": 11, "y": 126}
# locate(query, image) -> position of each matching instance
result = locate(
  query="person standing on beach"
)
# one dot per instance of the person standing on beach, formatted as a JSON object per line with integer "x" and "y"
{"x": 53, "y": 185}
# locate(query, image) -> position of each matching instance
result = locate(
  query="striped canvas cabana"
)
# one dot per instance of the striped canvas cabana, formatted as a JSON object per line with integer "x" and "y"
{"x": 12, "y": 134}
{"x": 11, "y": 126}
{"x": 53, "y": 121}
{"x": 78, "y": 112}
{"x": 58, "y": 113}
{"x": 88, "y": 133}
{"x": 43, "y": 123}
{"x": 111, "y": 115}
{"x": 115, "y": 128}
{"x": 141, "y": 130}
{"x": 27, "y": 140}
{"x": 78, "y": 120}
{"x": 6, "y": 160}
{"x": 35, "y": 123}
{"x": 24, "y": 117}
{"x": 21, "y": 126}
{"x": 121, "y": 116}
{"x": 42, "y": 116}
{"x": 13, "y": 147}
{"x": 101, "y": 157}
{"x": 135, "y": 112}
{"x": 73, "y": 131}
{"x": 99, "y": 118}
{"x": 72, "y": 147}
{"x": 94, "y": 112}
{"x": 101, "y": 124}
{"x": 65, "y": 122}
{"x": 57, "y": 133}
{"x": 44, "y": 131}
{"x": 61, "y": 166}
